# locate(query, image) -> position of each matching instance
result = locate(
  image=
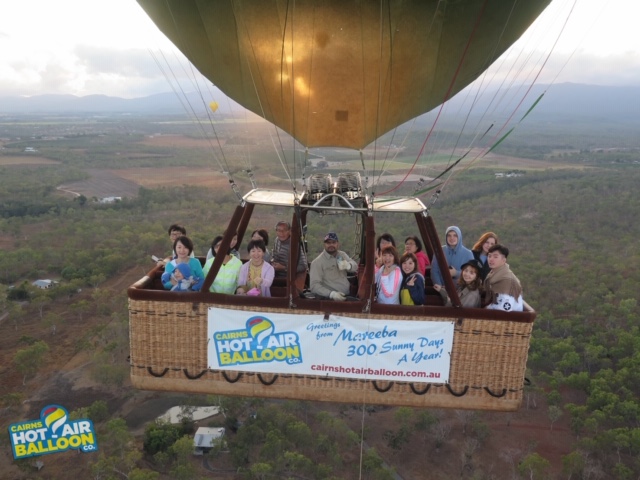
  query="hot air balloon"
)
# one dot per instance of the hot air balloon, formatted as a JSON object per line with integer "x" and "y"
{"x": 341, "y": 74}
{"x": 213, "y": 106}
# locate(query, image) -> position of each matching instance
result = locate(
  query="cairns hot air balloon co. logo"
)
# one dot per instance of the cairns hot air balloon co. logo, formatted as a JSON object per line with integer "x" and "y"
{"x": 257, "y": 343}
{"x": 52, "y": 433}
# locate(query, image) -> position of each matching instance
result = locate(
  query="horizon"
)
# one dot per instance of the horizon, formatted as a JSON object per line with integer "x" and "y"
{"x": 588, "y": 42}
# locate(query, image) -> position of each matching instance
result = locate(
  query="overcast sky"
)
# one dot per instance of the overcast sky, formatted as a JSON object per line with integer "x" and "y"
{"x": 82, "y": 47}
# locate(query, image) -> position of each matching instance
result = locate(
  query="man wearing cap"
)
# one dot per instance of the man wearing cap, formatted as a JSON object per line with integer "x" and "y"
{"x": 328, "y": 274}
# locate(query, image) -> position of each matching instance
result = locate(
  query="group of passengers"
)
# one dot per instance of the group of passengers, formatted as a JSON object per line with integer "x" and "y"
{"x": 482, "y": 275}
{"x": 254, "y": 277}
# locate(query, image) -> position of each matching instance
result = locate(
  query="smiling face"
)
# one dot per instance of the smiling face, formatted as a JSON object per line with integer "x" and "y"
{"x": 452, "y": 238}
{"x": 387, "y": 259}
{"x": 488, "y": 243}
{"x": 469, "y": 274}
{"x": 408, "y": 266}
{"x": 181, "y": 251}
{"x": 257, "y": 255}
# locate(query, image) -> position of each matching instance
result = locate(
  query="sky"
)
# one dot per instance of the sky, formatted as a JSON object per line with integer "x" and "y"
{"x": 82, "y": 47}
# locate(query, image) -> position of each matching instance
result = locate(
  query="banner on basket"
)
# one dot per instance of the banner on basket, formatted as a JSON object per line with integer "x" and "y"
{"x": 410, "y": 351}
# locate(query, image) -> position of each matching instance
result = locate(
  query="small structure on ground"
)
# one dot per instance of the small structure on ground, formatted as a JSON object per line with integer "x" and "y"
{"x": 110, "y": 199}
{"x": 198, "y": 413}
{"x": 206, "y": 438}
{"x": 44, "y": 283}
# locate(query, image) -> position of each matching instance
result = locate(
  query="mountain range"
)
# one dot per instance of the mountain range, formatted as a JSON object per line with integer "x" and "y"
{"x": 561, "y": 102}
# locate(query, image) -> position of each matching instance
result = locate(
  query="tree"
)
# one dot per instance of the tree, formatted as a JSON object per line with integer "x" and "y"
{"x": 182, "y": 449}
{"x": 441, "y": 431}
{"x": 573, "y": 464}
{"x": 554, "y": 414}
{"x": 40, "y": 299}
{"x": 96, "y": 280}
{"x": 159, "y": 436}
{"x": 374, "y": 467}
{"x": 117, "y": 455}
{"x": 469, "y": 448}
{"x": 19, "y": 294}
{"x": 261, "y": 471}
{"x": 81, "y": 307}
{"x": 98, "y": 411}
{"x": 29, "y": 360}
{"x": 396, "y": 439}
{"x": 425, "y": 421}
{"x": 534, "y": 467}
{"x": 51, "y": 321}
{"x": 143, "y": 474}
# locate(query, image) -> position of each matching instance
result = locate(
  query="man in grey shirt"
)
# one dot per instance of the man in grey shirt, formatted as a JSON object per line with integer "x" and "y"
{"x": 328, "y": 274}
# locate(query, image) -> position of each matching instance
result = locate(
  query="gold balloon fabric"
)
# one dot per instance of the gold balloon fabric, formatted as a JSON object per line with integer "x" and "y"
{"x": 342, "y": 72}
{"x": 213, "y": 106}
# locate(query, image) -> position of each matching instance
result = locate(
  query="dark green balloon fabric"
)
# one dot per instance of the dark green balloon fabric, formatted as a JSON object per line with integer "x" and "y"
{"x": 342, "y": 72}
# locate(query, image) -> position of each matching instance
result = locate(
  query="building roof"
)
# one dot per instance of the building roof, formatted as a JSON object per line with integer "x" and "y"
{"x": 205, "y": 436}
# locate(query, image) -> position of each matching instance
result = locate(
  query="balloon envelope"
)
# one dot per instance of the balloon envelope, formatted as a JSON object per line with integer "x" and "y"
{"x": 341, "y": 72}
{"x": 213, "y": 106}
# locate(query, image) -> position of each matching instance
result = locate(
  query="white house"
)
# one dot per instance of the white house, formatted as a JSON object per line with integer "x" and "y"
{"x": 46, "y": 283}
{"x": 110, "y": 199}
{"x": 206, "y": 438}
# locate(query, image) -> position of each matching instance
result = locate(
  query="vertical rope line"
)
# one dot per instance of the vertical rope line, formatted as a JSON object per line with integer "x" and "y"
{"x": 255, "y": 86}
{"x": 497, "y": 137}
{"x": 446, "y": 97}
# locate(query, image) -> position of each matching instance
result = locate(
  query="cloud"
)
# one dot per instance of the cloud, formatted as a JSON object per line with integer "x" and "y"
{"x": 621, "y": 69}
{"x": 110, "y": 61}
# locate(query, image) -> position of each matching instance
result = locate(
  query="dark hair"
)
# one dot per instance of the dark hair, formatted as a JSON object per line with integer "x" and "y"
{"x": 416, "y": 240}
{"x": 263, "y": 233}
{"x": 477, "y": 283}
{"x": 176, "y": 227}
{"x": 394, "y": 252}
{"x": 217, "y": 240}
{"x": 184, "y": 240}
{"x": 409, "y": 256}
{"x": 256, "y": 244}
{"x": 500, "y": 248}
{"x": 477, "y": 247}
{"x": 387, "y": 237}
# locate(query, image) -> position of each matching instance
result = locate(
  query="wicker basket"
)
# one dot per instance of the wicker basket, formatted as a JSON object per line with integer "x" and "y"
{"x": 169, "y": 353}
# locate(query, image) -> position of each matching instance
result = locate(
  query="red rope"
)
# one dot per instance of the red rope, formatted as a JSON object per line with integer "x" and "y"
{"x": 446, "y": 97}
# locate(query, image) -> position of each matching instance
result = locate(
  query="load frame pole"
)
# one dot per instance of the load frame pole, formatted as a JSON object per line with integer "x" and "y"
{"x": 224, "y": 246}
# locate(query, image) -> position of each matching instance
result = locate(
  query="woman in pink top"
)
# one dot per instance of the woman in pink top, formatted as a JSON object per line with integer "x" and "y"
{"x": 413, "y": 245}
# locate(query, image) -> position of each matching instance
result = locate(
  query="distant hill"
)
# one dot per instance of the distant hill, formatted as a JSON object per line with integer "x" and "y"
{"x": 566, "y": 102}
{"x": 162, "y": 103}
